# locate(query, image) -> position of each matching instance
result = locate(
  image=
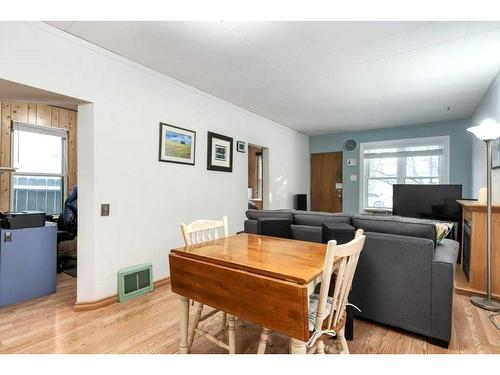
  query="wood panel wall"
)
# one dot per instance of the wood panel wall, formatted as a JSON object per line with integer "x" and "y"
{"x": 37, "y": 114}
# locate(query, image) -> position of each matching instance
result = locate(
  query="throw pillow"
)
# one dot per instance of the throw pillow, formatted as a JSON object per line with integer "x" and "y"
{"x": 442, "y": 230}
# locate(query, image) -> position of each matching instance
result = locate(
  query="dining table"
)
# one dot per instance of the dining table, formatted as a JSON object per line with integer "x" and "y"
{"x": 261, "y": 279}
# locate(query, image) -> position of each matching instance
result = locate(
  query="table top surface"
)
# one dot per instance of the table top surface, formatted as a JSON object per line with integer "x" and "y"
{"x": 292, "y": 260}
{"x": 475, "y": 204}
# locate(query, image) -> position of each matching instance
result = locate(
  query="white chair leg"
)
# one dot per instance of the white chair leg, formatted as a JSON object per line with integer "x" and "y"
{"x": 320, "y": 349}
{"x": 232, "y": 335}
{"x": 196, "y": 322}
{"x": 264, "y": 337}
{"x": 343, "y": 342}
{"x": 297, "y": 346}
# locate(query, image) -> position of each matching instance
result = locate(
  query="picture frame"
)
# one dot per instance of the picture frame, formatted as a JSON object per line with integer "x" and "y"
{"x": 495, "y": 153}
{"x": 177, "y": 145}
{"x": 219, "y": 152}
{"x": 240, "y": 146}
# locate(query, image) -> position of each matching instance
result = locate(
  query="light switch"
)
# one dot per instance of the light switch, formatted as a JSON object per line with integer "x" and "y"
{"x": 105, "y": 209}
{"x": 354, "y": 177}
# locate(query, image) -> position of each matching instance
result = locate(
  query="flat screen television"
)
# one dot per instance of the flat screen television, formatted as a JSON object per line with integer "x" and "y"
{"x": 438, "y": 202}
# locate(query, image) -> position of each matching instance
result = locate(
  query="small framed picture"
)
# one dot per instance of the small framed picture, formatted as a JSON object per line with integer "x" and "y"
{"x": 240, "y": 146}
{"x": 220, "y": 153}
{"x": 177, "y": 145}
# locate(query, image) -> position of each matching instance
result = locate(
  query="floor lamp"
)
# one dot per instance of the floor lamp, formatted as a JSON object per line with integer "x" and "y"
{"x": 487, "y": 131}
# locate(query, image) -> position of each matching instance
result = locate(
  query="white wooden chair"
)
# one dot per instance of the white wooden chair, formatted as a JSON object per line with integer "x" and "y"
{"x": 201, "y": 231}
{"x": 322, "y": 306}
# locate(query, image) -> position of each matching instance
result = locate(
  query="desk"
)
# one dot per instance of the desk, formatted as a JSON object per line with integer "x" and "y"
{"x": 27, "y": 263}
{"x": 265, "y": 280}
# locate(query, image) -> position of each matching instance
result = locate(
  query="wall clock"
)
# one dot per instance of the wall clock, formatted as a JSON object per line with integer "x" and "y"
{"x": 350, "y": 145}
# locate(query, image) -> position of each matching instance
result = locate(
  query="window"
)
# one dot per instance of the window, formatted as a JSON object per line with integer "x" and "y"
{"x": 39, "y": 154}
{"x": 407, "y": 161}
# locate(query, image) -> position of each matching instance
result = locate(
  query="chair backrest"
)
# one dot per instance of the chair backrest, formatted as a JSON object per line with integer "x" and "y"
{"x": 67, "y": 220}
{"x": 345, "y": 258}
{"x": 204, "y": 230}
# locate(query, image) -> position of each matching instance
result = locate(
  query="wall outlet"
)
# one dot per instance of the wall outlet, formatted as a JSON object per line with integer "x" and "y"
{"x": 105, "y": 209}
{"x": 7, "y": 237}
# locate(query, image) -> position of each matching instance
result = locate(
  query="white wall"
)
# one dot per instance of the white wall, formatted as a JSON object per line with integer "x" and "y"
{"x": 118, "y": 152}
{"x": 488, "y": 108}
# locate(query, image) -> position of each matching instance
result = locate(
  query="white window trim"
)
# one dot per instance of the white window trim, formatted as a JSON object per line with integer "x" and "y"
{"x": 445, "y": 167}
{"x": 60, "y": 132}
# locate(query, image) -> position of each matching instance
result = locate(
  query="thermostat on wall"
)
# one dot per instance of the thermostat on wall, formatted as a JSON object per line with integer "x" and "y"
{"x": 351, "y": 162}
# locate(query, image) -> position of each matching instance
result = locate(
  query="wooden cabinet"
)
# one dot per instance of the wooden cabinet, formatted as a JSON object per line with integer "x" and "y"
{"x": 474, "y": 249}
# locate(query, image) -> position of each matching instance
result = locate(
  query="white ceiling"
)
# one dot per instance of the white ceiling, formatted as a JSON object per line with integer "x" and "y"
{"x": 16, "y": 92}
{"x": 319, "y": 77}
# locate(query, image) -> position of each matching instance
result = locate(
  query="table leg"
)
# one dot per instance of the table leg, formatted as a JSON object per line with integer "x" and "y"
{"x": 297, "y": 346}
{"x": 184, "y": 325}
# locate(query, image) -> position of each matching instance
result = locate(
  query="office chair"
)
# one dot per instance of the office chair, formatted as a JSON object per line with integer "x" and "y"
{"x": 66, "y": 228}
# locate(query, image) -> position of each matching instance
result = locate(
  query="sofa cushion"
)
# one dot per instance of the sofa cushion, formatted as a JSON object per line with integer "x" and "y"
{"x": 403, "y": 226}
{"x": 281, "y": 214}
{"x": 250, "y": 226}
{"x": 306, "y": 233}
{"x": 442, "y": 230}
{"x": 274, "y": 226}
{"x": 315, "y": 219}
{"x": 447, "y": 251}
{"x": 392, "y": 283}
{"x": 340, "y": 232}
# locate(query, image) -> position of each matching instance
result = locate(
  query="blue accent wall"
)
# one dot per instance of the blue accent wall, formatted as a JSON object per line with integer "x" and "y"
{"x": 460, "y": 152}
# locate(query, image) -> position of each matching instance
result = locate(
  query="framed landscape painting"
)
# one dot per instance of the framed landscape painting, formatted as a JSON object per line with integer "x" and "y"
{"x": 220, "y": 153}
{"x": 177, "y": 145}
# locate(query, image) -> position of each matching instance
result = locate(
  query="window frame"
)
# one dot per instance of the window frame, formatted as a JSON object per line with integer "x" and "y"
{"x": 45, "y": 130}
{"x": 401, "y": 167}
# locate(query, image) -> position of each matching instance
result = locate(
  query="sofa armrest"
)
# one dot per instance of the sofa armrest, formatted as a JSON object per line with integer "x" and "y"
{"x": 250, "y": 226}
{"x": 392, "y": 283}
{"x": 443, "y": 276}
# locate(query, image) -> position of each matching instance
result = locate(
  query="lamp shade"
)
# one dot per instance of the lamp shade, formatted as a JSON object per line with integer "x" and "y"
{"x": 488, "y": 130}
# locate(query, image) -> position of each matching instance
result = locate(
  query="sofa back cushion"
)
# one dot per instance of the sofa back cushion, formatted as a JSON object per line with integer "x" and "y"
{"x": 316, "y": 219}
{"x": 306, "y": 233}
{"x": 275, "y": 227}
{"x": 279, "y": 214}
{"x": 402, "y": 226}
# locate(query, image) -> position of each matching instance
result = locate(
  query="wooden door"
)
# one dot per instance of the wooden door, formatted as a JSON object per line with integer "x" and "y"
{"x": 326, "y": 173}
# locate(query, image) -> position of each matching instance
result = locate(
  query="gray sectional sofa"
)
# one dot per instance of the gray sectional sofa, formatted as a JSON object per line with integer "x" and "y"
{"x": 403, "y": 278}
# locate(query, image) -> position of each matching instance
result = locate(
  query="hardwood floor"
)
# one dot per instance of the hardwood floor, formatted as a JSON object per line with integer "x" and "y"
{"x": 149, "y": 324}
